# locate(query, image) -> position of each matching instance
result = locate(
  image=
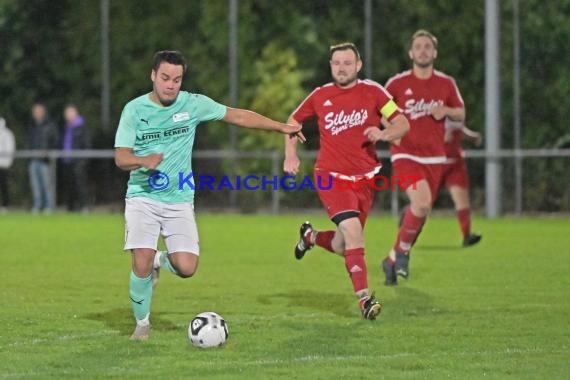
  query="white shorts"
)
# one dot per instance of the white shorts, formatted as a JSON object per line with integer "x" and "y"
{"x": 146, "y": 219}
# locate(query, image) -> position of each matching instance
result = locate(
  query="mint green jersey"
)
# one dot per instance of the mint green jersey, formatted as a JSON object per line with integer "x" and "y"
{"x": 147, "y": 128}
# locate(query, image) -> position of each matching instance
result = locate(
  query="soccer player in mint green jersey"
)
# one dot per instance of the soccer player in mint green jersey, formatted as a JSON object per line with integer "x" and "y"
{"x": 154, "y": 142}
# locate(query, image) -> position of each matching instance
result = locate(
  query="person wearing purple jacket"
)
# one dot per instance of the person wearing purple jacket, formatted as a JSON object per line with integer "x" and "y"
{"x": 75, "y": 137}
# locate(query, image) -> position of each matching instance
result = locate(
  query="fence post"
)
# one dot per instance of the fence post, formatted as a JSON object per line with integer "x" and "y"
{"x": 395, "y": 201}
{"x": 53, "y": 175}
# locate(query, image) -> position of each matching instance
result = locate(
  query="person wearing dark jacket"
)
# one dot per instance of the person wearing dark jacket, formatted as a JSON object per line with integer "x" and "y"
{"x": 75, "y": 137}
{"x": 42, "y": 135}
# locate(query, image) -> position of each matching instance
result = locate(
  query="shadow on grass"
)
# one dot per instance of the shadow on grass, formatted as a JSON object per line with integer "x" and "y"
{"x": 338, "y": 304}
{"x": 121, "y": 319}
{"x": 411, "y": 302}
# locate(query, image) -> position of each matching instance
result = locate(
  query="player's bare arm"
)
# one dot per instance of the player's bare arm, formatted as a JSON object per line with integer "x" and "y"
{"x": 475, "y": 137}
{"x": 291, "y": 163}
{"x": 393, "y": 130}
{"x": 454, "y": 113}
{"x": 125, "y": 159}
{"x": 250, "y": 119}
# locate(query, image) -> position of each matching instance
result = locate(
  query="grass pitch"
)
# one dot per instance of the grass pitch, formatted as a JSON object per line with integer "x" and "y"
{"x": 496, "y": 310}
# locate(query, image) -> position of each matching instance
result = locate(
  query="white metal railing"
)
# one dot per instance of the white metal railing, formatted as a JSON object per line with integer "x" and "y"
{"x": 227, "y": 154}
{"x": 276, "y": 158}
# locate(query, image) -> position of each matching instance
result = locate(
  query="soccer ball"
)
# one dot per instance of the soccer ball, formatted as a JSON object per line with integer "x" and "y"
{"x": 208, "y": 330}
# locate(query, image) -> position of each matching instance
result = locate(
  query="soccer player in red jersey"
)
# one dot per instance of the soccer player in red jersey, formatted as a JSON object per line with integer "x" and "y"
{"x": 456, "y": 178}
{"x": 427, "y": 97}
{"x": 348, "y": 113}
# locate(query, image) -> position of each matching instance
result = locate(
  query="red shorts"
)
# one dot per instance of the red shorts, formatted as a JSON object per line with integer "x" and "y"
{"x": 339, "y": 196}
{"x": 455, "y": 174}
{"x": 409, "y": 172}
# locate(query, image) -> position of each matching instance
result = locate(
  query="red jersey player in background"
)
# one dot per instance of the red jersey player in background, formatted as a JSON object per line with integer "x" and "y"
{"x": 348, "y": 112}
{"x": 427, "y": 97}
{"x": 456, "y": 178}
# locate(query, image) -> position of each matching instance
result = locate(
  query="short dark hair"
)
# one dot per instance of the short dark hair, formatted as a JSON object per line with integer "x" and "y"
{"x": 423, "y": 33}
{"x": 174, "y": 57}
{"x": 344, "y": 46}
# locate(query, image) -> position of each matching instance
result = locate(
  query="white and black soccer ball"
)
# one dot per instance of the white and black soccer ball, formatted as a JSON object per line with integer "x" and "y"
{"x": 208, "y": 330}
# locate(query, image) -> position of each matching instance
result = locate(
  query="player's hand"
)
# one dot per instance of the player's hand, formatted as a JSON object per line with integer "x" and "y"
{"x": 439, "y": 112}
{"x": 152, "y": 160}
{"x": 291, "y": 164}
{"x": 374, "y": 134}
{"x": 478, "y": 139}
{"x": 294, "y": 131}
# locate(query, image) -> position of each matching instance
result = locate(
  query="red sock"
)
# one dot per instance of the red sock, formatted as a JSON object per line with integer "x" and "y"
{"x": 324, "y": 240}
{"x": 356, "y": 267}
{"x": 464, "y": 217}
{"x": 409, "y": 231}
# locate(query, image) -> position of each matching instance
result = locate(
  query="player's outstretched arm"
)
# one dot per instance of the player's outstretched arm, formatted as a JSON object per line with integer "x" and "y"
{"x": 291, "y": 163}
{"x": 250, "y": 119}
{"x": 127, "y": 160}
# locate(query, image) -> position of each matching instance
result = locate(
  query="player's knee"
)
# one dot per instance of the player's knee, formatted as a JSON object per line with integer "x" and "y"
{"x": 185, "y": 264}
{"x": 338, "y": 248}
{"x": 421, "y": 207}
{"x": 187, "y": 272}
{"x": 142, "y": 272}
{"x": 142, "y": 269}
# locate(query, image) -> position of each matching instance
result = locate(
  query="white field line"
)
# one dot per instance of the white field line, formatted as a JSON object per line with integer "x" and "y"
{"x": 237, "y": 319}
{"x": 63, "y": 338}
{"x": 319, "y": 358}
{"x": 342, "y": 358}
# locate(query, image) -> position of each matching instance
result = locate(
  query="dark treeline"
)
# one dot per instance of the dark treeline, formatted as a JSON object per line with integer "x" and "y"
{"x": 51, "y": 50}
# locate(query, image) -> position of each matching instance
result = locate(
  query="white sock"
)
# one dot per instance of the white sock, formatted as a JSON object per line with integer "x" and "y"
{"x": 362, "y": 294}
{"x": 157, "y": 256}
{"x": 145, "y": 321}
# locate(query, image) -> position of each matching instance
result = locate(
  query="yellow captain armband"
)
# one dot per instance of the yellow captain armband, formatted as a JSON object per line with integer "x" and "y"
{"x": 388, "y": 109}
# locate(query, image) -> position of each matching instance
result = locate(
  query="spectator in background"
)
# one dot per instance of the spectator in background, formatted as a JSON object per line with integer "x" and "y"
{"x": 75, "y": 137}
{"x": 7, "y": 147}
{"x": 43, "y": 135}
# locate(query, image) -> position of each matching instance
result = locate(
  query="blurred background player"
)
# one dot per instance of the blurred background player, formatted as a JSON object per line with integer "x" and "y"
{"x": 7, "y": 149}
{"x": 42, "y": 135}
{"x": 156, "y": 133}
{"x": 427, "y": 97}
{"x": 456, "y": 178}
{"x": 348, "y": 112}
{"x": 75, "y": 137}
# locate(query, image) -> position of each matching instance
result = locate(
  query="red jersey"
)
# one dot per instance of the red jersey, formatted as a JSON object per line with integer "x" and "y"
{"x": 453, "y": 149}
{"x": 342, "y": 116}
{"x": 424, "y": 143}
